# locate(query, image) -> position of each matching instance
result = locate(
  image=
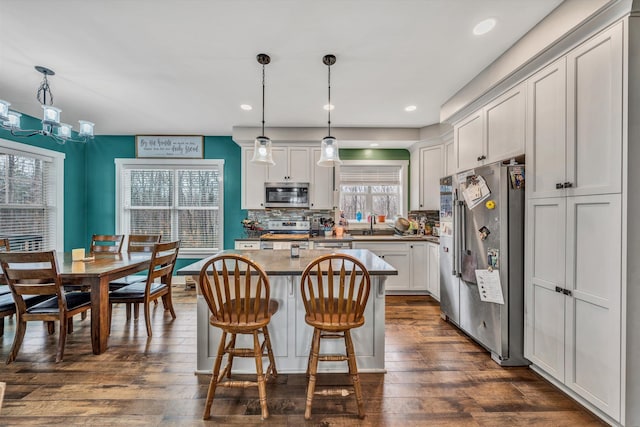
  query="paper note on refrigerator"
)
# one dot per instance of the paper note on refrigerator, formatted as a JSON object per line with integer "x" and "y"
{"x": 489, "y": 286}
{"x": 475, "y": 190}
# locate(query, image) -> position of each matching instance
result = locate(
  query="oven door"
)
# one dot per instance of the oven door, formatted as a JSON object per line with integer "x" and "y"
{"x": 286, "y": 195}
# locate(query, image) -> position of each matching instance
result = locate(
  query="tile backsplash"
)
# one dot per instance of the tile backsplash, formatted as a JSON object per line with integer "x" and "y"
{"x": 315, "y": 217}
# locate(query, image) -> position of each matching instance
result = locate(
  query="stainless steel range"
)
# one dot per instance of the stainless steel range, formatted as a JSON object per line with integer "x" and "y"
{"x": 282, "y": 233}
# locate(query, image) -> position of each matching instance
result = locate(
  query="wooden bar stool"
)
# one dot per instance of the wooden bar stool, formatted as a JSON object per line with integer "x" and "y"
{"x": 335, "y": 290}
{"x": 237, "y": 292}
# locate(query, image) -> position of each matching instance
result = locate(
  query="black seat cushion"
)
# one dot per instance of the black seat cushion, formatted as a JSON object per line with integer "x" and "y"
{"x": 135, "y": 290}
{"x": 74, "y": 300}
{"x": 127, "y": 280}
{"x": 6, "y": 301}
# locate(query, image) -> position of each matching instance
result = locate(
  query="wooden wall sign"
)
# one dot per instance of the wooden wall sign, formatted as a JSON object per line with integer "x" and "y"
{"x": 173, "y": 146}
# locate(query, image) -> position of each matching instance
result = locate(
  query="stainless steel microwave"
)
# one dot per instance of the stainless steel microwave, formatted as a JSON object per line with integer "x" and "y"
{"x": 286, "y": 194}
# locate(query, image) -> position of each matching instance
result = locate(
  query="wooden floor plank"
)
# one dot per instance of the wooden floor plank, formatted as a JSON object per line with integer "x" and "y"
{"x": 435, "y": 376}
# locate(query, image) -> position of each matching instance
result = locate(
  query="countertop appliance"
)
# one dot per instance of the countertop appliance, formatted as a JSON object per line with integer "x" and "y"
{"x": 286, "y": 195}
{"x": 282, "y": 233}
{"x": 482, "y": 228}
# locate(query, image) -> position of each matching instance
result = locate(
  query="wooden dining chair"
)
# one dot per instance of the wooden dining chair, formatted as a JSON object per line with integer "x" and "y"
{"x": 163, "y": 260}
{"x": 106, "y": 243}
{"x": 36, "y": 274}
{"x": 136, "y": 243}
{"x": 335, "y": 290}
{"x": 4, "y": 247}
{"x": 237, "y": 290}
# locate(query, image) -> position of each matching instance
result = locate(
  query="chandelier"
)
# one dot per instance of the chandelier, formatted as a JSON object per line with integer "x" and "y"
{"x": 329, "y": 155}
{"x": 51, "y": 125}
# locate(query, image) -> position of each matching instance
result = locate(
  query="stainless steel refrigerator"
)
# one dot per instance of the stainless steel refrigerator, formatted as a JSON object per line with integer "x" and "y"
{"x": 482, "y": 228}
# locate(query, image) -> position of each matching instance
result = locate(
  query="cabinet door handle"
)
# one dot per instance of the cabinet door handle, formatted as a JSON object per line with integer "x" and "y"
{"x": 567, "y": 292}
{"x": 568, "y": 184}
{"x": 559, "y": 289}
{"x": 559, "y": 186}
{"x": 479, "y": 158}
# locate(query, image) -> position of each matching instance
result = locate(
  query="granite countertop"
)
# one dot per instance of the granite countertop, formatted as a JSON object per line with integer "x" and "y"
{"x": 366, "y": 238}
{"x": 280, "y": 263}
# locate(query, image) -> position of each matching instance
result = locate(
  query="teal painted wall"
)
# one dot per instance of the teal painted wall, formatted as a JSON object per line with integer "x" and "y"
{"x": 100, "y": 160}
{"x": 89, "y": 187}
{"x": 75, "y": 219}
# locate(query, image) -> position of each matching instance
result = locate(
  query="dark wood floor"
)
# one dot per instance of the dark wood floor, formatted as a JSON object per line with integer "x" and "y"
{"x": 436, "y": 376}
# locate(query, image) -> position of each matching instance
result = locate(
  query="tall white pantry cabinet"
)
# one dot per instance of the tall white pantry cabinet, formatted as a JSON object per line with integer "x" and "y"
{"x": 582, "y": 246}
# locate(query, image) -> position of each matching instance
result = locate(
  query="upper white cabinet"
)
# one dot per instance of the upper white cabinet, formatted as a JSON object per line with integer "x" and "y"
{"x": 546, "y": 131}
{"x": 505, "y": 125}
{"x": 292, "y": 164}
{"x": 253, "y": 178}
{"x": 321, "y": 183}
{"x": 426, "y": 174}
{"x": 594, "y": 115}
{"x": 468, "y": 137}
{"x": 574, "y": 126}
{"x": 495, "y": 132}
{"x": 449, "y": 158}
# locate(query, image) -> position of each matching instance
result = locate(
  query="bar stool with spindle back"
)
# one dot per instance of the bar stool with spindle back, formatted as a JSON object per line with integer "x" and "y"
{"x": 334, "y": 307}
{"x": 237, "y": 292}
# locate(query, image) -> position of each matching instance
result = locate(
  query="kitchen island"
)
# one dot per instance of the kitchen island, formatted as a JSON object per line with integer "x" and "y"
{"x": 290, "y": 335}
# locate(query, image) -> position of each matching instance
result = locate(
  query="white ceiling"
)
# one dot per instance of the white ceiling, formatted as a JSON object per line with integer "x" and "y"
{"x": 185, "y": 66}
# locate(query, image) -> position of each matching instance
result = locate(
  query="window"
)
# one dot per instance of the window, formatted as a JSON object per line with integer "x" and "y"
{"x": 376, "y": 187}
{"x": 31, "y": 197}
{"x": 180, "y": 199}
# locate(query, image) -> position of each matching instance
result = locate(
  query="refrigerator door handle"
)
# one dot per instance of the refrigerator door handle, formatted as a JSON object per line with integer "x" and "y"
{"x": 454, "y": 268}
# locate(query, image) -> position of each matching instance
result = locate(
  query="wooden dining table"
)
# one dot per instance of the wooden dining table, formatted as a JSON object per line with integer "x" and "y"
{"x": 96, "y": 273}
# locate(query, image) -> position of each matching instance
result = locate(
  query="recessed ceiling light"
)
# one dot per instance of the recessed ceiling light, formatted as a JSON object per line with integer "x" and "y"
{"x": 246, "y": 107}
{"x": 374, "y": 144}
{"x": 329, "y": 107}
{"x": 483, "y": 27}
{"x": 410, "y": 108}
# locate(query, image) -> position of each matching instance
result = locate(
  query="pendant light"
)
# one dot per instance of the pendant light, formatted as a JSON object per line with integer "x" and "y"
{"x": 262, "y": 145}
{"x": 329, "y": 155}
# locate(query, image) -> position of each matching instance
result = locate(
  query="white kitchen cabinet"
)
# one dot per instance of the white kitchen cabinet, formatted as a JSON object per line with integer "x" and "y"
{"x": 546, "y": 131}
{"x": 292, "y": 165}
{"x": 594, "y": 115}
{"x": 240, "y": 245}
{"x": 505, "y": 125}
{"x": 410, "y": 258}
{"x": 545, "y": 264}
{"x": 450, "y": 159}
{"x": 574, "y": 126}
{"x": 468, "y": 137}
{"x": 430, "y": 170}
{"x": 321, "y": 183}
{"x": 419, "y": 266}
{"x": 573, "y": 272}
{"x": 253, "y": 178}
{"x": 433, "y": 270}
{"x": 493, "y": 133}
{"x": 573, "y": 294}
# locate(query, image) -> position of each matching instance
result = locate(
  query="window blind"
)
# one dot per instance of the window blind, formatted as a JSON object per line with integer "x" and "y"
{"x": 380, "y": 175}
{"x": 27, "y": 201}
{"x": 177, "y": 201}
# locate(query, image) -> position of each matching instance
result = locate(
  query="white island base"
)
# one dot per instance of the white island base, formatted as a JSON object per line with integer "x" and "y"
{"x": 291, "y": 336}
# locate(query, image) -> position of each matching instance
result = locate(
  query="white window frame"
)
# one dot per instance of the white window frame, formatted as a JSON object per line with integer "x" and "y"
{"x": 57, "y": 162}
{"x": 122, "y": 164}
{"x": 404, "y": 173}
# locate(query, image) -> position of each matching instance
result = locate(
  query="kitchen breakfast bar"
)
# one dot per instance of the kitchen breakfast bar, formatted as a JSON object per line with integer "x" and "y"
{"x": 290, "y": 335}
